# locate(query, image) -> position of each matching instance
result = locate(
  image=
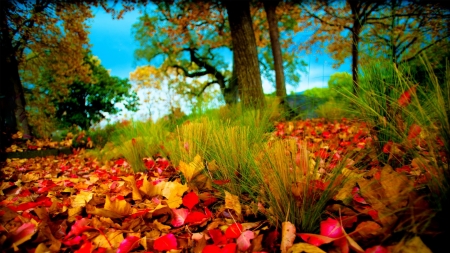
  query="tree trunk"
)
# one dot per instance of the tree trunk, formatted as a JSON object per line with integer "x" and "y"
{"x": 245, "y": 54}
{"x": 231, "y": 93}
{"x": 270, "y": 8}
{"x": 356, "y": 30}
{"x": 12, "y": 89}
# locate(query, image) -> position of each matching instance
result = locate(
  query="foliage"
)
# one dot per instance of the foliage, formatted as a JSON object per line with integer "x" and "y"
{"x": 87, "y": 103}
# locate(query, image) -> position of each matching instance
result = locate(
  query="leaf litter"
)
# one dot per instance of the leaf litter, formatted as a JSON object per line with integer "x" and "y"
{"x": 74, "y": 203}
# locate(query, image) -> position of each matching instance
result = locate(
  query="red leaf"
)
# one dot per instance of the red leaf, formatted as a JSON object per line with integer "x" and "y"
{"x": 198, "y": 217}
{"x": 234, "y": 231}
{"x": 377, "y": 249}
{"x": 414, "y": 130}
{"x": 217, "y": 236}
{"x": 315, "y": 240}
{"x": 128, "y": 244}
{"x": 211, "y": 249}
{"x": 229, "y": 248}
{"x": 23, "y": 233}
{"x": 75, "y": 241}
{"x": 405, "y": 98}
{"x": 165, "y": 243}
{"x": 190, "y": 200}
{"x": 221, "y": 182}
{"x": 79, "y": 227}
{"x": 387, "y": 147}
{"x": 179, "y": 216}
{"x": 331, "y": 228}
{"x": 85, "y": 248}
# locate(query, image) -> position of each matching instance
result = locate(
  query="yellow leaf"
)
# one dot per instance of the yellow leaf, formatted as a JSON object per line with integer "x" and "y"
{"x": 121, "y": 207}
{"x": 90, "y": 209}
{"x": 161, "y": 227}
{"x": 41, "y": 248}
{"x": 82, "y": 198}
{"x": 192, "y": 169}
{"x": 302, "y": 247}
{"x": 136, "y": 194}
{"x": 152, "y": 188}
{"x": 287, "y": 236}
{"x": 110, "y": 240}
{"x": 173, "y": 191}
{"x": 411, "y": 246}
{"x": 232, "y": 202}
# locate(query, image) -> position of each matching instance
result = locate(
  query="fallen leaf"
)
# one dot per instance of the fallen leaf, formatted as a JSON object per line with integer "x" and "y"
{"x": 234, "y": 231}
{"x": 23, "y": 233}
{"x": 243, "y": 242}
{"x": 174, "y": 191}
{"x": 165, "y": 243}
{"x": 136, "y": 195}
{"x": 192, "y": 169}
{"x": 121, "y": 207}
{"x": 190, "y": 200}
{"x": 128, "y": 244}
{"x": 302, "y": 247}
{"x": 232, "y": 202}
{"x": 287, "y": 236}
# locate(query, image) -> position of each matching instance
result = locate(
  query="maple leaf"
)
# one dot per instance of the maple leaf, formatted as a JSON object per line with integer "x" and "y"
{"x": 136, "y": 194}
{"x": 173, "y": 191}
{"x": 85, "y": 248}
{"x": 82, "y": 198}
{"x": 152, "y": 188}
{"x": 23, "y": 233}
{"x": 232, "y": 202}
{"x": 128, "y": 244}
{"x": 79, "y": 227}
{"x": 109, "y": 240}
{"x": 192, "y": 169}
{"x": 165, "y": 243}
{"x": 121, "y": 207}
{"x": 304, "y": 247}
{"x": 197, "y": 217}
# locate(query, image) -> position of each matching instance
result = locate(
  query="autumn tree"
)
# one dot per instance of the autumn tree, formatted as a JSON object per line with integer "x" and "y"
{"x": 406, "y": 29}
{"x": 339, "y": 26}
{"x": 54, "y": 29}
{"x": 188, "y": 38}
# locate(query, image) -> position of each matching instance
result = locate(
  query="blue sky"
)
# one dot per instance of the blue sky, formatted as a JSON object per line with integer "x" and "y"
{"x": 113, "y": 42}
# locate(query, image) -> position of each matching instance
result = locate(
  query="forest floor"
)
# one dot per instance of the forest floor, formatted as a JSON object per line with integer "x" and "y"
{"x": 75, "y": 203}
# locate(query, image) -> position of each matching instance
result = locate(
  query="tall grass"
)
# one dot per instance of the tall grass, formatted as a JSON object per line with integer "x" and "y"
{"x": 380, "y": 101}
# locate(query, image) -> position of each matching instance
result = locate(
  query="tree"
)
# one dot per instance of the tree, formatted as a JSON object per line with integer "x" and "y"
{"x": 270, "y": 7}
{"x": 87, "y": 103}
{"x": 408, "y": 30}
{"x": 171, "y": 33}
{"x": 332, "y": 19}
{"x": 47, "y": 28}
{"x": 245, "y": 54}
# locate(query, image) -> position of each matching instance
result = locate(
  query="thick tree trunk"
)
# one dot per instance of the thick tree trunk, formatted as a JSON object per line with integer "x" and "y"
{"x": 270, "y": 7}
{"x": 245, "y": 54}
{"x": 12, "y": 95}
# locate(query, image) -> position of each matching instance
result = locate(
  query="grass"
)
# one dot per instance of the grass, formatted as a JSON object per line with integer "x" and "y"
{"x": 381, "y": 102}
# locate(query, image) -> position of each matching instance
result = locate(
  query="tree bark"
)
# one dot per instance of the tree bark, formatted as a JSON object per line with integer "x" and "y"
{"x": 356, "y": 30}
{"x": 245, "y": 54}
{"x": 231, "y": 93}
{"x": 12, "y": 95}
{"x": 270, "y": 7}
